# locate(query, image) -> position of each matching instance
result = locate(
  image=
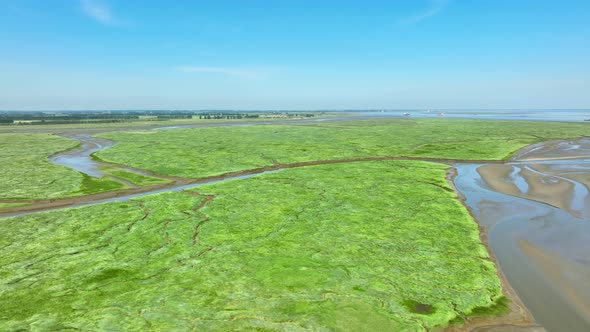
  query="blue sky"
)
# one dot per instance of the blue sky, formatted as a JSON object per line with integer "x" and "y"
{"x": 294, "y": 54}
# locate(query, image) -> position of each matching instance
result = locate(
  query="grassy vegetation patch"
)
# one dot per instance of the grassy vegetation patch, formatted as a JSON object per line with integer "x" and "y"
{"x": 25, "y": 171}
{"x": 500, "y": 307}
{"x": 209, "y": 151}
{"x": 11, "y": 205}
{"x": 135, "y": 178}
{"x": 91, "y": 185}
{"x": 334, "y": 247}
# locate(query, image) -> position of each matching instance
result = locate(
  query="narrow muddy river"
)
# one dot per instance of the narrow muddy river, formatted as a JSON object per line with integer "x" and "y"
{"x": 125, "y": 197}
{"x": 536, "y": 213}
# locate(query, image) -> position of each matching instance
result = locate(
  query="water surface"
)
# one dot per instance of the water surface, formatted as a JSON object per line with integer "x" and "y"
{"x": 80, "y": 158}
{"x": 537, "y": 217}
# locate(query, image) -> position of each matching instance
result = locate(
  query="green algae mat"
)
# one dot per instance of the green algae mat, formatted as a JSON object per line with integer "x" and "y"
{"x": 27, "y": 174}
{"x": 371, "y": 246}
{"x": 195, "y": 153}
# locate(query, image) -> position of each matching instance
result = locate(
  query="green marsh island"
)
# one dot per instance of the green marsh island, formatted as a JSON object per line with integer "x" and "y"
{"x": 317, "y": 226}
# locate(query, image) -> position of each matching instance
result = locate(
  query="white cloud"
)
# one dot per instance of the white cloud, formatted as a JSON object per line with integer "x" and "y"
{"x": 239, "y": 72}
{"x": 436, "y": 6}
{"x": 98, "y": 11}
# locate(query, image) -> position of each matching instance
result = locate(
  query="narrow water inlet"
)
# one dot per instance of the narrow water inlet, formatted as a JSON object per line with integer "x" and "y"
{"x": 80, "y": 158}
{"x": 518, "y": 180}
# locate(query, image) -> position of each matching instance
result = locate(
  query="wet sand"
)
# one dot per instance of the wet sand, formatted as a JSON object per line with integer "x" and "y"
{"x": 527, "y": 182}
{"x": 562, "y": 149}
{"x": 563, "y": 275}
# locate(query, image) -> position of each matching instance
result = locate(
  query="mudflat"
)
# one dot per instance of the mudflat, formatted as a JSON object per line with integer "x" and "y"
{"x": 535, "y": 212}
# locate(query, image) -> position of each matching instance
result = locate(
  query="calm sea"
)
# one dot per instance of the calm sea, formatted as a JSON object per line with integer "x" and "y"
{"x": 532, "y": 115}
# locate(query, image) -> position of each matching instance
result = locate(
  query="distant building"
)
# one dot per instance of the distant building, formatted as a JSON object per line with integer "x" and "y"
{"x": 273, "y": 115}
{"x": 25, "y": 121}
{"x": 148, "y": 117}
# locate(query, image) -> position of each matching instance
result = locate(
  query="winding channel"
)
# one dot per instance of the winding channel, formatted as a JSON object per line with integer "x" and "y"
{"x": 80, "y": 158}
{"x": 534, "y": 209}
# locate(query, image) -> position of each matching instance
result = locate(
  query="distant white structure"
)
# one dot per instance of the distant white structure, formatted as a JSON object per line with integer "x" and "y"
{"x": 273, "y": 115}
{"x": 25, "y": 121}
